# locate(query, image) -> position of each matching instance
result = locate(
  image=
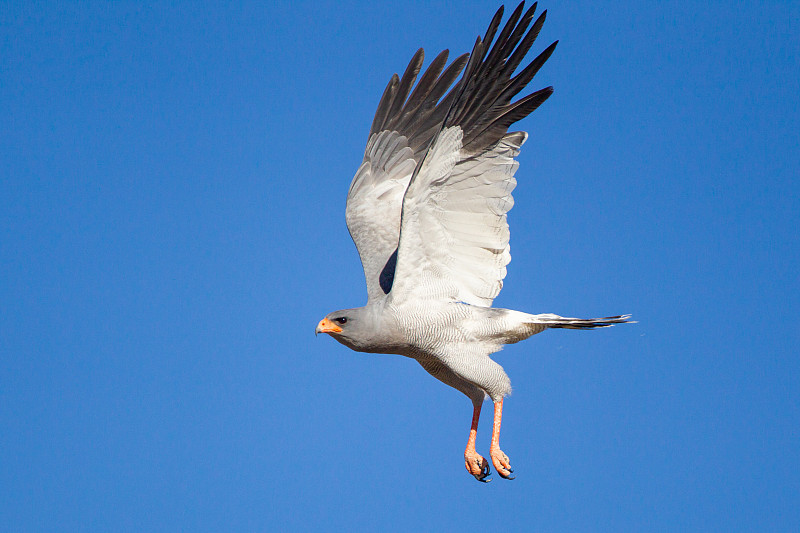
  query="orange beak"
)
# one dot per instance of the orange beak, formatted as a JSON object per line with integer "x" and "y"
{"x": 326, "y": 326}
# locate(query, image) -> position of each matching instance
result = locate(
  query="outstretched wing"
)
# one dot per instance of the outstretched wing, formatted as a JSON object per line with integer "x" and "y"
{"x": 454, "y": 234}
{"x": 401, "y": 132}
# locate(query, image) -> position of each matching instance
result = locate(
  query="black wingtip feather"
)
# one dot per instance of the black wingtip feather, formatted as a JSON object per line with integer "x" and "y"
{"x": 481, "y": 101}
{"x": 409, "y": 76}
{"x": 493, "y": 25}
{"x": 489, "y": 111}
{"x": 384, "y": 104}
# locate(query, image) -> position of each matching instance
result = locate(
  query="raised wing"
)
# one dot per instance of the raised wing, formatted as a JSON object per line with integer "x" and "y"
{"x": 401, "y": 132}
{"x": 373, "y": 207}
{"x": 454, "y": 233}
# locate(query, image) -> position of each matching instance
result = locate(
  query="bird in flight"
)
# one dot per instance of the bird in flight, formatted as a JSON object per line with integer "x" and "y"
{"x": 427, "y": 212}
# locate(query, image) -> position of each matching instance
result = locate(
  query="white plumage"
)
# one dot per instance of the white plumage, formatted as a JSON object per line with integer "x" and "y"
{"x": 427, "y": 212}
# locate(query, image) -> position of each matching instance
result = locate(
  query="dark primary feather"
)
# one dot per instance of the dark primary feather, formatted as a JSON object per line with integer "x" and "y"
{"x": 487, "y": 110}
{"x": 481, "y": 102}
{"x": 404, "y": 87}
{"x": 424, "y": 88}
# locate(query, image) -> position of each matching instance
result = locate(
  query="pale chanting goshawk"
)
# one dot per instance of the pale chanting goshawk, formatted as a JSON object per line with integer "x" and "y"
{"x": 427, "y": 212}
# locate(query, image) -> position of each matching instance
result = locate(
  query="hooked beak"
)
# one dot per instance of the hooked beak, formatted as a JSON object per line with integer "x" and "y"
{"x": 326, "y": 326}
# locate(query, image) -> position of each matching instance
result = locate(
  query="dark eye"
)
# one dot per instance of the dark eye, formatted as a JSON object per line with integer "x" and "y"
{"x": 341, "y": 320}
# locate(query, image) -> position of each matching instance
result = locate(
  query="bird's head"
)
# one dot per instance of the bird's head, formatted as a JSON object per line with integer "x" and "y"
{"x": 334, "y": 323}
{"x": 347, "y": 326}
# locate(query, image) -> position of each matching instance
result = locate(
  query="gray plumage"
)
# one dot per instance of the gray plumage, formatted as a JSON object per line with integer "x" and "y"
{"x": 427, "y": 212}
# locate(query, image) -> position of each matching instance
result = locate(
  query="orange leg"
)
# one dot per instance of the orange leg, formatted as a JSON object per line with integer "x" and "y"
{"x": 476, "y": 465}
{"x": 499, "y": 459}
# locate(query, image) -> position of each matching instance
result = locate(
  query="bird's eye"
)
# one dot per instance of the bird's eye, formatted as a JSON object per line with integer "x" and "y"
{"x": 341, "y": 320}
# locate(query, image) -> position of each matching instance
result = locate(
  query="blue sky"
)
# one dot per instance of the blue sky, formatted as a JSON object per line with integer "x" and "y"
{"x": 172, "y": 188}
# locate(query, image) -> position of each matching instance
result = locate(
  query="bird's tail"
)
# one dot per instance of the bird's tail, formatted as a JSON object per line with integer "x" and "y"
{"x": 555, "y": 321}
{"x": 513, "y": 326}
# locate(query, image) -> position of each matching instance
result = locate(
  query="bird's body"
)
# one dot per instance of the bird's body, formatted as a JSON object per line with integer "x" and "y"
{"x": 427, "y": 211}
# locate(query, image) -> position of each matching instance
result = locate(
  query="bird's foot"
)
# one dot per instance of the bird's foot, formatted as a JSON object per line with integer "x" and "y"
{"x": 501, "y": 463}
{"x": 477, "y": 466}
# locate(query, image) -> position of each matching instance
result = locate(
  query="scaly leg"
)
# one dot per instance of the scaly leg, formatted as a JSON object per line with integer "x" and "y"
{"x": 476, "y": 465}
{"x": 499, "y": 459}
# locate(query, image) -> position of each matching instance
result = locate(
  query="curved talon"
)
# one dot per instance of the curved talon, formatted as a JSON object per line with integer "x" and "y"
{"x": 478, "y": 467}
{"x": 506, "y": 476}
{"x": 483, "y": 476}
{"x": 485, "y": 472}
{"x": 501, "y": 463}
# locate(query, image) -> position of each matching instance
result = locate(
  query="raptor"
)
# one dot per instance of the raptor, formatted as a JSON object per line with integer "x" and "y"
{"x": 427, "y": 212}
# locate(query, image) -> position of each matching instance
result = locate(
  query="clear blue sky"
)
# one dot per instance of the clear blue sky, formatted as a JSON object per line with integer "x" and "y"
{"x": 172, "y": 188}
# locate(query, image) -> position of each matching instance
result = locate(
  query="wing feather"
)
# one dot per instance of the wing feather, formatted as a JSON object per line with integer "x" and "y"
{"x": 401, "y": 133}
{"x": 427, "y": 207}
{"x": 455, "y": 237}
